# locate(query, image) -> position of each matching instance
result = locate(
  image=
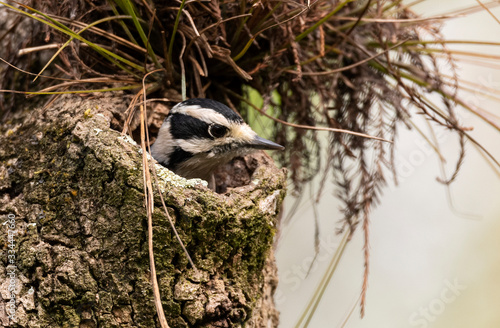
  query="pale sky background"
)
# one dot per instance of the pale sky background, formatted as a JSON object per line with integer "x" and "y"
{"x": 429, "y": 266}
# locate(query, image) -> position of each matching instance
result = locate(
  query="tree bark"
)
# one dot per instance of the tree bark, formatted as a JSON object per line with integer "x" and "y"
{"x": 72, "y": 209}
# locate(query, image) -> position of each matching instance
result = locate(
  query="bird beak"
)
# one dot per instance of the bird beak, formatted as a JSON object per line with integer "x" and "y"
{"x": 261, "y": 143}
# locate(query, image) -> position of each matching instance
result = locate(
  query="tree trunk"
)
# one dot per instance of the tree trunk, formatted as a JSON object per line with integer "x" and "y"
{"x": 75, "y": 227}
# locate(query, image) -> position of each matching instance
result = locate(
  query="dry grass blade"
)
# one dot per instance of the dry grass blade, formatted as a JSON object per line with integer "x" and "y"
{"x": 26, "y": 51}
{"x": 149, "y": 202}
{"x": 157, "y": 185}
{"x": 85, "y": 91}
{"x": 475, "y": 8}
{"x": 489, "y": 11}
{"x": 400, "y": 20}
{"x": 183, "y": 70}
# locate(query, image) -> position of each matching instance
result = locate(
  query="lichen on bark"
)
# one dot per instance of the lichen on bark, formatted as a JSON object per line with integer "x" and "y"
{"x": 75, "y": 187}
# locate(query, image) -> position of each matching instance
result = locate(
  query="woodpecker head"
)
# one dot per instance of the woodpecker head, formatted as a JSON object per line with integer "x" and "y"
{"x": 199, "y": 135}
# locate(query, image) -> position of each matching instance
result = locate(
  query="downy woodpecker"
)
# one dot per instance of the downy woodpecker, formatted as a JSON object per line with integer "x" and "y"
{"x": 199, "y": 135}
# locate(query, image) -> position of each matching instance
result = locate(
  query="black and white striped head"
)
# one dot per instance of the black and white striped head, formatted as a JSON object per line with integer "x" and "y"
{"x": 199, "y": 135}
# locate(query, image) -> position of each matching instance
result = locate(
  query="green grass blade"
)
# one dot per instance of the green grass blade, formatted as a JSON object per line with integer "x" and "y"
{"x": 72, "y": 38}
{"x": 122, "y": 24}
{"x": 130, "y": 10}
{"x": 174, "y": 31}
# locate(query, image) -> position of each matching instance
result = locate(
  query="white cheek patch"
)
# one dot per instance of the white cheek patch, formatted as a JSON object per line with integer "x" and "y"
{"x": 206, "y": 115}
{"x": 195, "y": 146}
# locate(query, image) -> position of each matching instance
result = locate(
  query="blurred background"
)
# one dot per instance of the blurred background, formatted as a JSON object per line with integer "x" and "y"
{"x": 434, "y": 251}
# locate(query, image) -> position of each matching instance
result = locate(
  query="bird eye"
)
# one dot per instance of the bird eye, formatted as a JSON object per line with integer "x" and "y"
{"x": 217, "y": 130}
